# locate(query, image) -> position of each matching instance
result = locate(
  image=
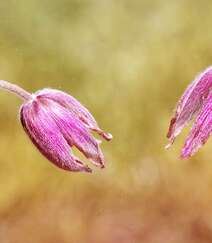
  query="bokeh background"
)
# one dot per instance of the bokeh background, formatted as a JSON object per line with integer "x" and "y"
{"x": 128, "y": 62}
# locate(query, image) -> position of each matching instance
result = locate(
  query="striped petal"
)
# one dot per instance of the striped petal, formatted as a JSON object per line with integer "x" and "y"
{"x": 74, "y": 131}
{"x": 190, "y": 103}
{"x": 201, "y": 130}
{"x": 47, "y": 137}
{"x": 75, "y": 107}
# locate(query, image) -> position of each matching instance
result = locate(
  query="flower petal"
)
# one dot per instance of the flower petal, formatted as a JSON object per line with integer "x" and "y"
{"x": 47, "y": 137}
{"x": 190, "y": 103}
{"x": 74, "y": 106}
{"x": 201, "y": 130}
{"x": 74, "y": 131}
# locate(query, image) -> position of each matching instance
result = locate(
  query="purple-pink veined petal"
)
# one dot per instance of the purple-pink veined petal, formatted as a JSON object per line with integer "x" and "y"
{"x": 201, "y": 130}
{"x": 48, "y": 138}
{"x": 190, "y": 103}
{"x": 74, "y": 106}
{"x": 74, "y": 131}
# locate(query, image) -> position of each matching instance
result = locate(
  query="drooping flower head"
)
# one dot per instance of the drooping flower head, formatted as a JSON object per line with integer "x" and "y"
{"x": 196, "y": 102}
{"x": 55, "y": 122}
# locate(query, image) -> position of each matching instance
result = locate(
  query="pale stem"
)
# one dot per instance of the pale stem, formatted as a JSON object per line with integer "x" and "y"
{"x": 13, "y": 88}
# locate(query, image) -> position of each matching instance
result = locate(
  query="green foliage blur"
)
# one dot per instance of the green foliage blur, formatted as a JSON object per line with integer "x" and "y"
{"x": 128, "y": 62}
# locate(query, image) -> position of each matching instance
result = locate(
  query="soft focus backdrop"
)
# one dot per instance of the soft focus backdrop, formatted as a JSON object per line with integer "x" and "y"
{"x": 128, "y": 62}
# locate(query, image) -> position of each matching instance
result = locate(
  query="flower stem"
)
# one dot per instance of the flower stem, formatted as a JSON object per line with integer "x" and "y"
{"x": 13, "y": 88}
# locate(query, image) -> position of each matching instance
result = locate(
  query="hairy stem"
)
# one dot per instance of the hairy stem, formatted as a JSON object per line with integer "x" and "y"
{"x": 13, "y": 88}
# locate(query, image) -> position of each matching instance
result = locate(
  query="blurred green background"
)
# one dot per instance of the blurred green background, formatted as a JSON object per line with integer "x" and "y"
{"x": 128, "y": 62}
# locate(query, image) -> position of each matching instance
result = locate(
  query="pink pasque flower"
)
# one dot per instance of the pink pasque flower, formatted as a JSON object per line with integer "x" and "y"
{"x": 55, "y": 122}
{"x": 195, "y": 102}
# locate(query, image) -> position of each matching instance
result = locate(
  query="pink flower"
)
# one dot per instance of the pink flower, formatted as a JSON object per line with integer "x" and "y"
{"x": 195, "y": 102}
{"x": 55, "y": 122}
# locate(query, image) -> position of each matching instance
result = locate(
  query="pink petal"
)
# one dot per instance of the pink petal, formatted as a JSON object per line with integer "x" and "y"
{"x": 74, "y": 131}
{"x": 47, "y": 137}
{"x": 201, "y": 130}
{"x": 74, "y": 106}
{"x": 190, "y": 103}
